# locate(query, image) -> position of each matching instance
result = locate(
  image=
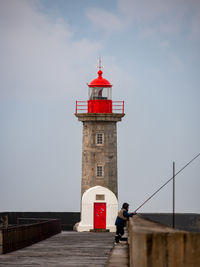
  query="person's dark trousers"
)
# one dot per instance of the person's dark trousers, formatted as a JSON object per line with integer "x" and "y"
{"x": 119, "y": 233}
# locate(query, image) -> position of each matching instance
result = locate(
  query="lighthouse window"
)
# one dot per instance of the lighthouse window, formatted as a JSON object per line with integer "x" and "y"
{"x": 99, "y": 139}
{"x": 100, "y": 197}
{"x": 99, "y": 171}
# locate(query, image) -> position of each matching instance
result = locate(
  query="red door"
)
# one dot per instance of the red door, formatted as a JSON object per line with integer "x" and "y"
{"x": 99, "y": 215}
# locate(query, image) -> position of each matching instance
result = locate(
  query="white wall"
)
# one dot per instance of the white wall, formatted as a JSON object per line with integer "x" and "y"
{"x": 87, "y": 208}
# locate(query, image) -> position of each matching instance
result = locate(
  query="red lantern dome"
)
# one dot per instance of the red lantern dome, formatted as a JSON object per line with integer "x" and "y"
{"x": 100, "y": 94}
{"x": 100, "y": 97}
{"x": 100, "y": 82}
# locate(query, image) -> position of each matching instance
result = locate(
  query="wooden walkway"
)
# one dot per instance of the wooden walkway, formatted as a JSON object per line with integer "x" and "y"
{"x": 65, "y": 249}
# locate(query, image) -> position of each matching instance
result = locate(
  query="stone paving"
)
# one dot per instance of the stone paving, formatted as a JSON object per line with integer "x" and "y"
{"x": 119, "y": 256}
{"x": 65, "y": 249}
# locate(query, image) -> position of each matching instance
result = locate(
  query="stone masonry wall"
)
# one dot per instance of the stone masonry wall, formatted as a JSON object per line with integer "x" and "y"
{"x": 104, "y": 155}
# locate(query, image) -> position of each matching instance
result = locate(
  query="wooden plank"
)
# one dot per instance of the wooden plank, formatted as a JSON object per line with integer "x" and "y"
{"x": 65, "y": 249}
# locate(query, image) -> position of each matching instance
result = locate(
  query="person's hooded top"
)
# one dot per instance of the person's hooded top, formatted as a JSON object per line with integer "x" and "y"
{"x": 122, "y": 217}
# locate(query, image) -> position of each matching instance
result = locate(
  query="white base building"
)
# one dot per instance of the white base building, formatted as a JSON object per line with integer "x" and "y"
{"x": 99, "y": 210}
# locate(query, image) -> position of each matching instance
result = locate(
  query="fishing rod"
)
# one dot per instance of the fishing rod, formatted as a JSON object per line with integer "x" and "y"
{"x": 167, "y": 182}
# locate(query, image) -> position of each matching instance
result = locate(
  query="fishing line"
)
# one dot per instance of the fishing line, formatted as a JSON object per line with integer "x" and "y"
{"x": 167, "y": 182}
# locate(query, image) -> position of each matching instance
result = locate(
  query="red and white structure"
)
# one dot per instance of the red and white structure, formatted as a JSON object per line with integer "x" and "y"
{"x": 99, "y": 190}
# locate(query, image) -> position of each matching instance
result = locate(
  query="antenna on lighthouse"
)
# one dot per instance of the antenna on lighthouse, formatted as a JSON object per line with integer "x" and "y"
{"x": 100, "y": 66}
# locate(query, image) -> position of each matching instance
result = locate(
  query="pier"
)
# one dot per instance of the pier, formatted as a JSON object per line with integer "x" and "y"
{"x": 70, "y": 248}
{"x": 150, "y": 244}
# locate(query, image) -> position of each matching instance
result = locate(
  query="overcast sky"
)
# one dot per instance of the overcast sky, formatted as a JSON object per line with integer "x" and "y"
{"x": 48, "y": 53}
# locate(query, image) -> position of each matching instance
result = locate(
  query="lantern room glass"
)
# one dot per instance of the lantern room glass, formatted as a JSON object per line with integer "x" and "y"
{"x": 99, "y": 93}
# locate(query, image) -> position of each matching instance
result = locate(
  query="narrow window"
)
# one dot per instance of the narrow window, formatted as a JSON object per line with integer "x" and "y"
{"x": 99, "y": 139}
{"x": 100, "y": 197}
{"x": 99, "y": 171}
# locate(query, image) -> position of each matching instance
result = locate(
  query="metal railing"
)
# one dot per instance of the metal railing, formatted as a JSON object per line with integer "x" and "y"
{"x": 16, "y": 237}
{"x": 118, "y": 107}
{"x": 82, "y": 106}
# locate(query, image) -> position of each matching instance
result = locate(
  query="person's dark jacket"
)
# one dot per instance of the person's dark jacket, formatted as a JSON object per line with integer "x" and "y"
{"x": 122, "y": 217}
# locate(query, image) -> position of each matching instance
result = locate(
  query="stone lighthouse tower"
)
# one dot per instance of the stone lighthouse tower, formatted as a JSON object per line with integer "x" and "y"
{"x": 99, "y": 192}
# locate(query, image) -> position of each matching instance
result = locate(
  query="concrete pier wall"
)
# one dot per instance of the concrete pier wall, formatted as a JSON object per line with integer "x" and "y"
{"x": 156, "y": 245}
{"x": 183, "y": 221}
{"x": 68, "y": 219}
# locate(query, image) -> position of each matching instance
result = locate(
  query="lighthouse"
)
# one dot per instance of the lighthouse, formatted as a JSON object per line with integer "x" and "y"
{"x": 99, "y": 186}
